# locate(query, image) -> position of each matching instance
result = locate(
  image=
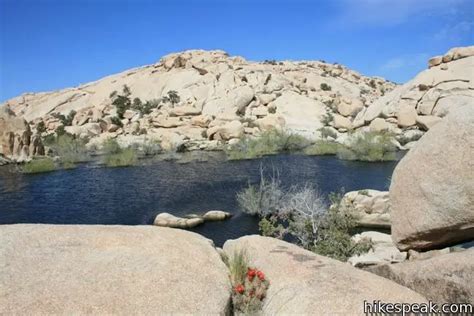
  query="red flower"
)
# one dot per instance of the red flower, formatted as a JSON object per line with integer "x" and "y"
{"x": 239, "y": 289}
{"x": 260, "y": 275}
{"x": 251, "y": 274}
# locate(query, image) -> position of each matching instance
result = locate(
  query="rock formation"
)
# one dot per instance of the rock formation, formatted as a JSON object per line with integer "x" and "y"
{"x": 432, "y": 189}
{"x": 371, "y": 207}
{"x": 431, "y": 95}
{"x": 302, "y": 282}
{"x": 17, "y": 142}
{"x": 441, "y": 279}
{"x": 220, "y": 98}
{"x": 104, "y": 270}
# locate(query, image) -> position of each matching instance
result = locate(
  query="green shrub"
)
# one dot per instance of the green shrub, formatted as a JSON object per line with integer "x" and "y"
{"x": 126, "y": 157}
{"x": 327, "y": 118}
{"x": 325, "y": 87}
{"x": 328, "y": 132}
{"x": 40, "y": 128}
{"x": 40, "y": 165}
{"x": 65, "y": 120}
{"x": 238, "y": 263}
{"x": 115, "y": 120}
{"x": 268, "y": 143}
{"x": 60, "y": 130}
{"x": 369, "y": 146}
{"x": 172, "y": 97}
{"x": 322, "y": 147}
{"x": 301, "y": 214}
{"x": 111, "y": 146}
{"x": 334, "y": 236}
{"x": 70, "y": 149}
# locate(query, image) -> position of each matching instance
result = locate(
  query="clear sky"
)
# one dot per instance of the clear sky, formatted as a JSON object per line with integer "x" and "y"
{"x": 52, "y": 44}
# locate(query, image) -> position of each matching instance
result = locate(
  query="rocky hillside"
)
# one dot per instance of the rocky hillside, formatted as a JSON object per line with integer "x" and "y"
{"x": 420, "y": 103}
{"x": 207, "y": 99}
{"x": 214, "y": 98}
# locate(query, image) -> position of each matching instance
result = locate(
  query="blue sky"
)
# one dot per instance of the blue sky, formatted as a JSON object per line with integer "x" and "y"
{"x": 52, "y": 44}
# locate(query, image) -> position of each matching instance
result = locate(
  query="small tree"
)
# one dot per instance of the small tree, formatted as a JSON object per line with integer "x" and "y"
{"x": 40, "y": 128}
{"x": 172, "y": 97}
{"x": 325, "y": 87}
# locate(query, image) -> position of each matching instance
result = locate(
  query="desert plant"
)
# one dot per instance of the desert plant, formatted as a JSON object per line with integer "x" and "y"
{"x": 369, "y": 146}
{"x": 40, "y": 128}
{"x": 249, "y": 284}
{"x": 300, "y": 213}
{"x": 172, "y": 96}
{"x": 126, "y": 157}
{"x": 269, "y": 142}
{"x": 70, "y": 149}
{"x": 327, "y": 118}
{"x": 39, "y": 165}
{"x": 325, "y": 87}
{"x": 115, "y": 120}
{"x": 60, "y": 130}
{"x": 328, "y": 132}
{"x": 322, "y": 147}
{"x": 334, "y": 238}
{"x": 65, "y": 120}
{"x": 264, "y": 198}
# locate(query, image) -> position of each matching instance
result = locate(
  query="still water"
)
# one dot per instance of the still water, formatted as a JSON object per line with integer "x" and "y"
{"x": 135, "y": 195}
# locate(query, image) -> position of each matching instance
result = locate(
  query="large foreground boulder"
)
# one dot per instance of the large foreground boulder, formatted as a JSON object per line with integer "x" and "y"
{"x": 444, "y": 278}
{"x": 104, "y": 270}
{"x": 302, "y": 282}
{"x": 432, "y": 189}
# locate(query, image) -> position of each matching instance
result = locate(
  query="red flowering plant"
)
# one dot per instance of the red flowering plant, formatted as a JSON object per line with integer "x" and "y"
{"x": 249, "y": 285}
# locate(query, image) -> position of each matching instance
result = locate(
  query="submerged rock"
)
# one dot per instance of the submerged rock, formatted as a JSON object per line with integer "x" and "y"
{"x": 105, "y": 270}
{"x": 168, "y": 220}
{"x": 216, "y": 215}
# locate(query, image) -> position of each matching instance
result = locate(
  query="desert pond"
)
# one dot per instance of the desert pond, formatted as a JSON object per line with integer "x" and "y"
{"x": 135, "y": 195}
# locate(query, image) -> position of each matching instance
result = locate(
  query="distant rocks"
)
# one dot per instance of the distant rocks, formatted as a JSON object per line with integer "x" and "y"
{"x": 17, "y": 142}
{"x": 383, "y": 250}
{"x": 168, "y": 220}
{"x": 453, "y": 54}
{"x": 371, "y": 207}
{"x": 432, "y": 189}
{"x": 106, "y": 270}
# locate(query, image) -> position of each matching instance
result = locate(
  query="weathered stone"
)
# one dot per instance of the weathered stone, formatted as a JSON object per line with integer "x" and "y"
{"x": 185, "y": 110}
{"x": 168, "y": 220}
{"x": 431, "y": 194}
{"x": 379, "y": 125}
{"x": 216, "y": 215}
{"x": 406, "y": 116}
{"x": 342, "y": 122}
{"x": 16, "y": 140}
{"x": 233, "y": 129}
{"x": 435, "y": 61}
{"x": 371, "y": 207}
{"x": 106, "y": 270}
{"x": 441, "y": 279}
{"x": 349, "y": 107}
{"x": 383, "y": 250}
{"x": 427, "y": 121}
{"x": 302, "y": 282}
